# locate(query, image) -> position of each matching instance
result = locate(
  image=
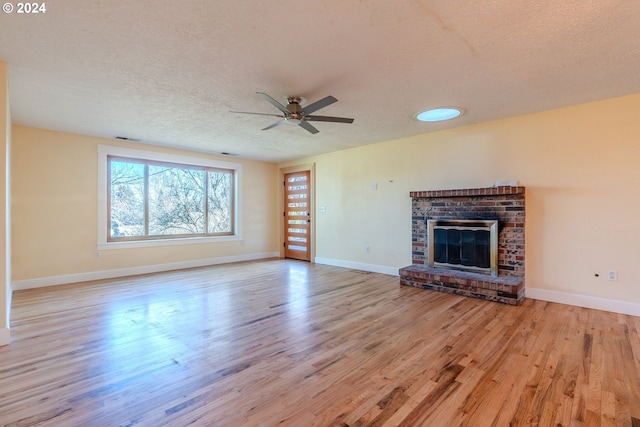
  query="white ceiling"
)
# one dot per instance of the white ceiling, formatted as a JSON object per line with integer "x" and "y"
{"x": 169, "y": 72}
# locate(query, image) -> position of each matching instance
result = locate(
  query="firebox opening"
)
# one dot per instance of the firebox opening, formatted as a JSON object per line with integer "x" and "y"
{"x": 470, "y": 245}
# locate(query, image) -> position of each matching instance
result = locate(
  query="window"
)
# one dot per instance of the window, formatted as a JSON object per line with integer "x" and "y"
{"x": 152, "y": 198}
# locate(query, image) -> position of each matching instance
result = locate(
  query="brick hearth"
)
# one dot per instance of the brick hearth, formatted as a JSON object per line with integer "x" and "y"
{"x": 507, "y": 205}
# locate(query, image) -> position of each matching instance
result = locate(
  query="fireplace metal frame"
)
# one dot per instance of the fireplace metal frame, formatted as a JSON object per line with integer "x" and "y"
{"x": 489, "y": 225}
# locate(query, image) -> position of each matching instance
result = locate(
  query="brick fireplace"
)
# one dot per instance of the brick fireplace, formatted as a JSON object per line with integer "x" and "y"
{"x": 506, "y": 205}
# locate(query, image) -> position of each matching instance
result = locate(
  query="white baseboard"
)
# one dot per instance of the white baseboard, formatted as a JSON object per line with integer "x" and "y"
{"x": 587, "y": 301}
{"x": 579, "y": 300}
{"x": 374, "y": 268}
{"x": 5, "y": 337}
{"x": 132, "y": 271}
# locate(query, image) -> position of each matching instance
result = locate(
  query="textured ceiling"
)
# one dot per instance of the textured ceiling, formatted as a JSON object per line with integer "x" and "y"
{"x": 168, "y": 73}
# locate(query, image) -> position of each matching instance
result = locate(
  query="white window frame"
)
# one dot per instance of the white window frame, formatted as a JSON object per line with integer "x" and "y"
{"x": 104, "y": 151}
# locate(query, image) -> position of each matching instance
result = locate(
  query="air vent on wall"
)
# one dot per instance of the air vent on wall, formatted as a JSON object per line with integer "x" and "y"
{"x": 124, "y": 138}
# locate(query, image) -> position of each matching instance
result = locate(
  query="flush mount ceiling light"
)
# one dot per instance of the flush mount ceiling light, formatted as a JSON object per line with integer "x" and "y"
{"x": 439, "y": 114}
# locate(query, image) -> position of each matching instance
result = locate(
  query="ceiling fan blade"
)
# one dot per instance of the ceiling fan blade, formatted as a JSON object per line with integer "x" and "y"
{"x": 328, "y": 119}
{"x": 278, "y": 123}
{"x": 273, "y": 102}
{"x": 308, "y": 109}
{"x": 260, "y": 114}
{"x": 308, "y": 127}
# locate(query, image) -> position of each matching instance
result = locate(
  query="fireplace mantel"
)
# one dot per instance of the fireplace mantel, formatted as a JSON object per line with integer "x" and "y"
{"x": 505, "y": 204}
{"x": 465, "y": 192}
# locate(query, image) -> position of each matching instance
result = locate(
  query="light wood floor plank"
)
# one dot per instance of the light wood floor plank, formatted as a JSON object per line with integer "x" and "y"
{"x": 289, "y": 343}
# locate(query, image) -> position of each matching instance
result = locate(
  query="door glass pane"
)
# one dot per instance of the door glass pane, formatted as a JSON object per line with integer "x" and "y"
{"x": 483, "y": 249}
{"x": 440, "y": 245}
{"x": 453, "y": 246}
{"x": 297, "y": 230}
{"x": 467, "y": 247}
{"x": 297, "y": 239}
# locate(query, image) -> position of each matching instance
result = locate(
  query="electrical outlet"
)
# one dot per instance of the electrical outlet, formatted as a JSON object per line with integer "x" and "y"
{"x": 612, "y": 275}
{"x": 367, "y": 249}
{"x": 97, "y": 254}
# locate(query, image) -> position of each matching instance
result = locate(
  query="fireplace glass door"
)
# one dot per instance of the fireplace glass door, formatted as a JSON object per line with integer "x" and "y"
{"x": 463, "y": 244}
{"x": 465, "y": 247}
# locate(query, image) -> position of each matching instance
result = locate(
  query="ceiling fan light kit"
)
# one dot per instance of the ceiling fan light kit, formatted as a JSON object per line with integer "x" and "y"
{"x": 294, "y": 113}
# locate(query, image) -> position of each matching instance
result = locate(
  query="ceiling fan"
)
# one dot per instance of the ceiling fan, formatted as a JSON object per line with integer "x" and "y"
{"x": 295, "y": 114}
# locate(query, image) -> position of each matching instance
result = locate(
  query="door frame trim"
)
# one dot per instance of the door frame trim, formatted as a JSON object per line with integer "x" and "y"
{"x": 311, "y": 167}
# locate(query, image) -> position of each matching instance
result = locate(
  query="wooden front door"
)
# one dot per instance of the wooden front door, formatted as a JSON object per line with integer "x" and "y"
{"x": 297, "y": 216}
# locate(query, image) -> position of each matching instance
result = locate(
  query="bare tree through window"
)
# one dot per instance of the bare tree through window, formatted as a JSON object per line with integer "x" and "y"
{"x": 151, "y": 200}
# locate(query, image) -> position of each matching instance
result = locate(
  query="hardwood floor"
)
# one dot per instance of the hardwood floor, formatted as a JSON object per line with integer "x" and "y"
{"x": 283, "y": 342}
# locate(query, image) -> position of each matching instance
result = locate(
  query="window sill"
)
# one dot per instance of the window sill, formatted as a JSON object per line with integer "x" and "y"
{"x": 165, "y": 242}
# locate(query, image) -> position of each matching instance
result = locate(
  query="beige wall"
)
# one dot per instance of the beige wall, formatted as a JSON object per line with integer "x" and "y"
{"x": 580, "y": 166}
{"x": 55, "y": 180}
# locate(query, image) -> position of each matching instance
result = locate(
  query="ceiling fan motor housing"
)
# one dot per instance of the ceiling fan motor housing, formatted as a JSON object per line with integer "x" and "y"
{"x": 293, "y": 105}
